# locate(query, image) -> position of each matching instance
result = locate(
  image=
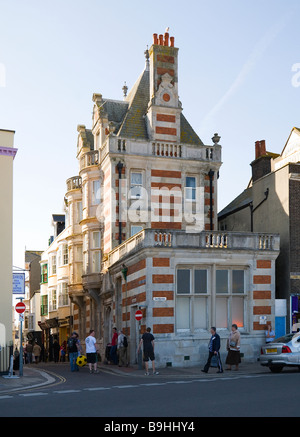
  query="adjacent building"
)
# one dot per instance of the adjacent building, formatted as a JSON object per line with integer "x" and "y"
{"x": 7, "y": 154}
{"x": 142, "y": 229}
{"x": 270, "y": 203}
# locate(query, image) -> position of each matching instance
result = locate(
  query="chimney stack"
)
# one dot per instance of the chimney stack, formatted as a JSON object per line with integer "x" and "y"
{"x": 261, "y": 166}
{"x": 260, "y": 148}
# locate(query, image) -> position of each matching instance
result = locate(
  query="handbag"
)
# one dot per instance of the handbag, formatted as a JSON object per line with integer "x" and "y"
{"x": 232, "y": 343}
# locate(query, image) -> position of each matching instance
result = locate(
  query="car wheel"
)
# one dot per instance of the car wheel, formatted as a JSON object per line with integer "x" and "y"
{"x": 276, "y": 369}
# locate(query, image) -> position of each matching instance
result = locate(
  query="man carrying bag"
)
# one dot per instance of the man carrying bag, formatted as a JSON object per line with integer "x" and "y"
{"x": 214, "y": 351}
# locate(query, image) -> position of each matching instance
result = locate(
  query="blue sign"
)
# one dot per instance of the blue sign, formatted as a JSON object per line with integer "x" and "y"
{"x": 19, "y": 283}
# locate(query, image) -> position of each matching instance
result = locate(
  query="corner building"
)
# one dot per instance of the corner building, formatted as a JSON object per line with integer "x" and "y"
{"x": 144, "y": 211}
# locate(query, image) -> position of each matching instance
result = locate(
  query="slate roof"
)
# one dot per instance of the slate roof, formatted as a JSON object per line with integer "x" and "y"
{"x": 129, "y": 119}
{"x": 240, "y": 202}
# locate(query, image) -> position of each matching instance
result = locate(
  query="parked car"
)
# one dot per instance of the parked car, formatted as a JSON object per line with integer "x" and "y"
{"x": 283, "y": 351}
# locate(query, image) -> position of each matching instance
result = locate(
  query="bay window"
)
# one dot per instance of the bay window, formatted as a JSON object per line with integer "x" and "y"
{"x": 63, "y": 297}
{"x": 209, "y": 296}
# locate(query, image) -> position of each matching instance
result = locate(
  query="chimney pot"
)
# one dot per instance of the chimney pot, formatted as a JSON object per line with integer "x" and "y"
{"x": 155, "y": 39}
{"x": 166, "y": 39}
{"x": 161, "y": 40}
{"x": 172, "y": 41}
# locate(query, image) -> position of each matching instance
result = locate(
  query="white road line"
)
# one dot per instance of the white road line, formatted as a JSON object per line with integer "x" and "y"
{"x": 66, "y": 391}
{"x": 97, "y": 388}
{"x": 5, "y": 397}
{"x": 124, "y": 386}
{"x": 33, "y": 394}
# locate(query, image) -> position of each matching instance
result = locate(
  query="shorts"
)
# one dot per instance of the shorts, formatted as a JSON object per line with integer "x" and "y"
{"x": 148, "y": 355}
{"x": 91, "y": 357}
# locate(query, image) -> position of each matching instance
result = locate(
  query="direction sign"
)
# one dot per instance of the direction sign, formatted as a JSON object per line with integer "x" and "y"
{"x": 138, "y": 315}
{"x": 20, "y": 307}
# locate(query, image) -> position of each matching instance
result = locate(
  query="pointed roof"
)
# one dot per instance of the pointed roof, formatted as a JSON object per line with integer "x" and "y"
{"x": 129, "y": 118}
{"x": 134, "y": 122}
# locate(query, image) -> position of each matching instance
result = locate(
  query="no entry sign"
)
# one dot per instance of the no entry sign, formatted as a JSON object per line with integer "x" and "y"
{"x": 138, "y": 315}
{"x": 20, "y": 307}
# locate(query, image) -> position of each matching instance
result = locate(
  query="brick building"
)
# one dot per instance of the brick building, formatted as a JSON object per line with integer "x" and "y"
{"x": 142, "y": 228}
{"x": 271, "y": 203}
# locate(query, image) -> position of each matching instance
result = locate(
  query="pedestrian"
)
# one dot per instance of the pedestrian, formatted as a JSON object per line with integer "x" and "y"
{"x": 233, "y": 348}
{"x": 214, "y": 350}
{"x": 63, "y": 352}
{"x": 36, "y": 352}
{"x": 270, "y": 334}
{"x": 122, "y": 349}
{"x": 16, "y": 362}
{"x": 91, "y": 351}
{"x": 29, "y": 350}
{"x": 147, "y": 341}
{"x": 114, "y": 344}
{"x": 73, "y": 348}
{"x": 56, "y": 349}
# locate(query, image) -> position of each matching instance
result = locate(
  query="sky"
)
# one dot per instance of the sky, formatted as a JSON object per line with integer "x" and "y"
{"x": 238, "y": 64}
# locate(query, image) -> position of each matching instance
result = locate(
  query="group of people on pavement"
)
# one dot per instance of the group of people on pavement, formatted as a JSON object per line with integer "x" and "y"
{"x": 233, "y": 349}
{"x": 118, "y": 350}
{"x": 233, "y": 346}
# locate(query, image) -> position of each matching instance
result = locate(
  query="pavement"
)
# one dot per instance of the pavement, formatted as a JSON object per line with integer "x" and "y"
{"x": 37, "y": 375}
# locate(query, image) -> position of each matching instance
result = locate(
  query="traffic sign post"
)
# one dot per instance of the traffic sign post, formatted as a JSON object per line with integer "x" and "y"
{"x": 20, "y": 308}
{"x": 138, "y": 315}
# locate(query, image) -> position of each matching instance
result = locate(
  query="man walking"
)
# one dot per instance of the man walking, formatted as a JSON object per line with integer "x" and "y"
{"x": 122, "y": 349}
{"x": 114, "y": 344}
{"x": 147, "y": 341}
{"x": 214, "y": 350}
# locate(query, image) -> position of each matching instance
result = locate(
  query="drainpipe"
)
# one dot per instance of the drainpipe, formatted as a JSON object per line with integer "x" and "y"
{"x": 120, "y": 167}
{"x": 211, "y": 176}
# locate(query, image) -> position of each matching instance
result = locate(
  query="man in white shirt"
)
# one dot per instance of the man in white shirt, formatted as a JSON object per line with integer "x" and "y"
{"x": 91, "y": 351}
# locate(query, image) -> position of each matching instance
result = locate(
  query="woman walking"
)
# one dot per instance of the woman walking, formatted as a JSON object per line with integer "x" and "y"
{"x": 233, "y": 348}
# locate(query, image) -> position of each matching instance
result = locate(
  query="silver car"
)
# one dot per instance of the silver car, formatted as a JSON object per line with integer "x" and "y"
{"x": 283, "y": 351}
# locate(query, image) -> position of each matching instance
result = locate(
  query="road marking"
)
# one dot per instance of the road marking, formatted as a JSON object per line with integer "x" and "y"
{"x": 6, "y": 397}
{"x": 66, "y": 391}
{"x": 97, "y": 388}
{"x": 124, "y": 386}
{"x": 33, "y": 394}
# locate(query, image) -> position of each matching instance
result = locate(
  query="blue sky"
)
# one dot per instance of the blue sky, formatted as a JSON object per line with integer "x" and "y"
{"x": 235, "y": 78}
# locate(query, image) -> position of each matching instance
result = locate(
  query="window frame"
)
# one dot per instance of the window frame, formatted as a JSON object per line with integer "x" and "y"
{"x": 62, "y": 296}
{"x": 133, "y": 184}
{"x": 95, "y": 200}
{"x": 212, "y": 296}
{"x": 192, "y": 190}
{"x": 193, "y": 297}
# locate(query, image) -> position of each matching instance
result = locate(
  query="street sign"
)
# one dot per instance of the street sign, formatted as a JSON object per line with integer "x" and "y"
{"x": 18, "y": 283}
{"x": 21, "y": 317}
{"x": 138, "y": 315}
{"x": 20, "y": 307}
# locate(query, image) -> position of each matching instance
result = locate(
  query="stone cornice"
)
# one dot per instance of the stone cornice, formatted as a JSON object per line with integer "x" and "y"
{"x": 8, "y": 151}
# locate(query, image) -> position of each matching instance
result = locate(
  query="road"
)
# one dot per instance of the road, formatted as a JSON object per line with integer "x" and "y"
{"x": 108, "y": 395}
